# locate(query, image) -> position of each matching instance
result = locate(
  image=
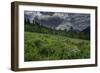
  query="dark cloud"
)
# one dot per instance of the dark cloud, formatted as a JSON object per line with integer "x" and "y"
{"x": 47, "y": 13}
{"x": 78, "y": 21}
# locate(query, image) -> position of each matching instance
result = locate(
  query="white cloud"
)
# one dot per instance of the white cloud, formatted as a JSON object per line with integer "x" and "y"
{"x": 64, "y": 25}
{"x": 28, "y": 12}
{"x": 61, "y": 15}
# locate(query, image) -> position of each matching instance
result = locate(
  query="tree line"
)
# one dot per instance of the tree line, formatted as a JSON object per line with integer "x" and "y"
{"x": 36, "y": 27}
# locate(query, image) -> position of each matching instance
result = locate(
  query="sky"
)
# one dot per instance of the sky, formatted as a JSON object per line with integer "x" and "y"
{"x": 59, "y": 20}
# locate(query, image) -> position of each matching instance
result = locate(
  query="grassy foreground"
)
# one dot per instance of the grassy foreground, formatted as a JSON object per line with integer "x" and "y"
{"x": 51, "y": 47}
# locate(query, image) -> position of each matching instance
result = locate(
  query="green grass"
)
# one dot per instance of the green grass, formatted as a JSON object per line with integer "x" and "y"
{"x": 53, "y": 47}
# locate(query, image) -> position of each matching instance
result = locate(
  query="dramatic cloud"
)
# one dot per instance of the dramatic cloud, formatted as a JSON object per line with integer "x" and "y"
{"x": 47, "y": 13}
{"x": 59, "y": 20}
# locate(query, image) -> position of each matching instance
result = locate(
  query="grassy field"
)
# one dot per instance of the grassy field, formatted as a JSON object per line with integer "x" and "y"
{"x": 51, "y": 47}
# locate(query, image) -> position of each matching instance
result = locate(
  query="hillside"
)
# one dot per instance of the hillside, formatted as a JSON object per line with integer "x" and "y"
{"x": 36, "y": 27}
{"x": 51, "y": 47}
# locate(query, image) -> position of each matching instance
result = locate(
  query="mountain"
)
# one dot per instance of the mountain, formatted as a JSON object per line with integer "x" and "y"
{"x": 72, "y": 33}
{"x": 51, "y": 22}
{"x": 80, "y": 21}
{"x": 59, "y": 20}
{"x": 86, "y": 31}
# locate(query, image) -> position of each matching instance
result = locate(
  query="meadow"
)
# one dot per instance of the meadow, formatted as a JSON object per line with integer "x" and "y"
{"x": 40, "y": 46}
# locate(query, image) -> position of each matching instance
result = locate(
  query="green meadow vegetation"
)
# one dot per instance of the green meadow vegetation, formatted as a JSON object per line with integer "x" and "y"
{"x": 44, "y": 44}
{"x": 51, "y": 47}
